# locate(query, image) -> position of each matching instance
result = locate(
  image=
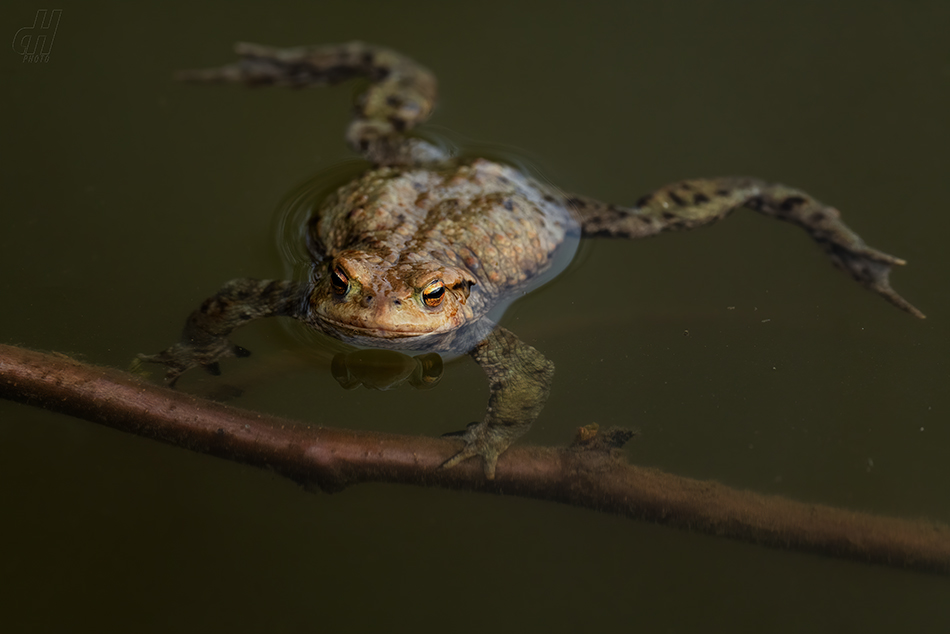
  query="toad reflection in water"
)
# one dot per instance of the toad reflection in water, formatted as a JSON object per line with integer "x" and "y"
{"x": 414, "y": 254}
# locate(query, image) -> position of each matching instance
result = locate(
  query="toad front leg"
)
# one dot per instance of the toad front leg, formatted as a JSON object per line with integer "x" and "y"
{"x": 519, "y": 378}
{"x": 204, "y": 339}
{"x": 695, "y": 203}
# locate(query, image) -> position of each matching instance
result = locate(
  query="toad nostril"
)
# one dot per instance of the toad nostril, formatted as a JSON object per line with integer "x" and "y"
{"x": 397, "y": 303}
{"x": 367, "y": 300}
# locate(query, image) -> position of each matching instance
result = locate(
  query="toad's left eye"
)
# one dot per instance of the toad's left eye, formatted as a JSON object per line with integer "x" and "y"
{"x": 433, "y": 293}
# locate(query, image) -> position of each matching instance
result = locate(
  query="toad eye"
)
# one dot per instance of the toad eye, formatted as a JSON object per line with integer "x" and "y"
{"x": 339, "y": 282}
{"x": 433, "y": 293}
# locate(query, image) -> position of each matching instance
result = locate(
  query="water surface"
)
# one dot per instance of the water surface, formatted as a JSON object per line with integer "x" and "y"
{"x": 129, "y": 199}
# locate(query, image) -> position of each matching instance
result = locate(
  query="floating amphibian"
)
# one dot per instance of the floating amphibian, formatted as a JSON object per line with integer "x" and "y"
{"x": 414, "y": 253}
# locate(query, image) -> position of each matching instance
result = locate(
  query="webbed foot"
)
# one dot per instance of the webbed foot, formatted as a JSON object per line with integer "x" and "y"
{"x": 181, "y": 357}
{"x": 872, "y": 269}
{"x": 485, "y": 440}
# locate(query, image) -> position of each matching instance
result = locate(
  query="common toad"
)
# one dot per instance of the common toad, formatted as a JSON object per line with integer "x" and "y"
{"x": 414, "y": 254}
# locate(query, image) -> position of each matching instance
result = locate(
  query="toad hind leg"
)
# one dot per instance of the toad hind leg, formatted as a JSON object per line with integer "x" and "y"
{"x": 695, "y": 203}
{"x": 401, "y": 94}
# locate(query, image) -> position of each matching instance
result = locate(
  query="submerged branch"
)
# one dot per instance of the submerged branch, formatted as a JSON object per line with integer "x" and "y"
{"x": 591, "y": 473}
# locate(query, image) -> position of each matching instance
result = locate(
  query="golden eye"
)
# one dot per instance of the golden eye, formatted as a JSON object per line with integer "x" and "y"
{"x": 433, "y": 293}
{"x": 339, "y": 282}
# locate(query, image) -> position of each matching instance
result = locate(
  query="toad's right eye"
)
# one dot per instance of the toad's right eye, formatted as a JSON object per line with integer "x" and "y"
{"x": 339, "y": 282}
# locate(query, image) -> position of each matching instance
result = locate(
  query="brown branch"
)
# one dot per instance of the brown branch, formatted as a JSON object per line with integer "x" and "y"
{"x": 590, "y": 473}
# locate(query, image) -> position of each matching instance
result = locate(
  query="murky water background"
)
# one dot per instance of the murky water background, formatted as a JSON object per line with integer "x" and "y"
{"x": 129, "y": 199}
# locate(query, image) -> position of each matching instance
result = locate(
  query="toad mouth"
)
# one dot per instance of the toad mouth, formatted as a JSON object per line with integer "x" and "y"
{"x": 378, "y": 331}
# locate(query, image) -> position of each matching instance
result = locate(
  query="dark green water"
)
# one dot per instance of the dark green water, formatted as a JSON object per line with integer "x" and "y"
{"x": 128, "y": 199}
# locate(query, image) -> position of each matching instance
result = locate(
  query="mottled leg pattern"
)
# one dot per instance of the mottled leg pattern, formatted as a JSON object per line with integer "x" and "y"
{"x": 519, "y": 379}
{"x": 402, "y": 93}
{"x": 204, "y": 340}
{"x": 695, "y": 203}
